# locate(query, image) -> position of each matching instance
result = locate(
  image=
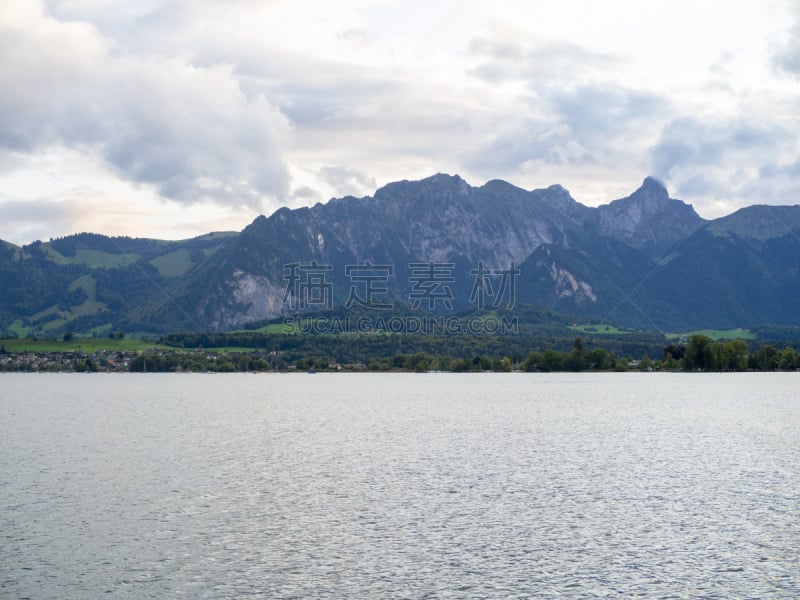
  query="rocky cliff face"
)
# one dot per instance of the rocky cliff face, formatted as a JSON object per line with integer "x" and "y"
{"x": 648, "y": 218}
{"x": 442, "y": 219}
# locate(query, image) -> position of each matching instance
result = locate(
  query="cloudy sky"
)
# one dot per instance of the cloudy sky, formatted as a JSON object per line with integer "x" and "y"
{"x": 173, "y": 118}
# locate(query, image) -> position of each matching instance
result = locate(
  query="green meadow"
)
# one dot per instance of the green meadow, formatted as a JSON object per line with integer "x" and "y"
{"x": 600, "y": 329}
{"x": 77, "y": 345}
{"x": 716, "y": 334}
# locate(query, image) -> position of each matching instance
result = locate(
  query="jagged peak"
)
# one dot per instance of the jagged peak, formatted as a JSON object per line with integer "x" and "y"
{"x": 443, "y": 178}
{"x": 498, "y": 182}
{"x": 651, "y": 183}
{"x": 436, "y": 179}
{"x": 556, "y": 191}
{"x": 498, "y": 186}
{"x": 648, "y": 216}
{"x": 435, "y": 185}
{"x": 650, "y": 197}
{"x": 652, "y": 192}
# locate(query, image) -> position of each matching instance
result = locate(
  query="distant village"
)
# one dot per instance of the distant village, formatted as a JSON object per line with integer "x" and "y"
{"x": 66, "y": 361}
{"x": 111, "y": 361}
{"x": 155, "y": 360}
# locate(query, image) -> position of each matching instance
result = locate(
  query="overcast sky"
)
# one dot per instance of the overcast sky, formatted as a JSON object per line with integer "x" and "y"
{"x": 173, "y": 118}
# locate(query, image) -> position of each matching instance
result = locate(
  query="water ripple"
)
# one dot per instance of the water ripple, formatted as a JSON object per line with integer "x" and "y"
{"x": 400, "y": 486}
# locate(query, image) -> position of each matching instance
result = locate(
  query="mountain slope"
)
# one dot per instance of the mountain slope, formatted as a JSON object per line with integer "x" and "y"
{"x": 571, "y": 258}
{"x": 646, "y": 261}
{"x": 89, "y": 282}
{"x": 737, "y": 271}
{"x": 440, "y": 219}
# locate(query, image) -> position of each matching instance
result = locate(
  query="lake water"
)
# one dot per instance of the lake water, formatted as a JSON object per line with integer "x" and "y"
{"x": 400, "y": 486}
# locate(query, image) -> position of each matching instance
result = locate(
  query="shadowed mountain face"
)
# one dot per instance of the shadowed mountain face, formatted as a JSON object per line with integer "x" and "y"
{"x": 648, "y": 219}
{"x": 646, "y": 260}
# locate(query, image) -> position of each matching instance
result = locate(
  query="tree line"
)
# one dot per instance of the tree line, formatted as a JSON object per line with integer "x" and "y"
{"x": 701, "y": 353}
{"x": 403, "y": 354}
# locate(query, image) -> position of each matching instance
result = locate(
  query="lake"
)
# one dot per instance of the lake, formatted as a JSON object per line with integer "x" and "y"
{"x": 400, "y": 485}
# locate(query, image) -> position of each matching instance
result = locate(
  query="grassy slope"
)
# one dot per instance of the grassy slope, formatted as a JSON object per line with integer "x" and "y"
{"x": 173, "y": 264}
{"x": 600, "y": 329}
{"x": 77, "y": 344}
{"x": 95, "y": 259}
{"x": 716, "y": 334}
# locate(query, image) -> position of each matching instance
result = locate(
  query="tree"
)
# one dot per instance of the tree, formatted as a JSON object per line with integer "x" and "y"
{"x": 532, "y": 361}
{"x": 676, "y": 351}
{"x": 699, "y": 354}
{"x": 790, "y": 360}
{"x": 735, "y": 355}
{"x": 68, "y": 336}
{"x": 551, "y": 361}
{"x": 421, "y": 364}
{"x": 718, "y": 351}
{"x": 575, "y": 360}
{"x": 766, "y": 358}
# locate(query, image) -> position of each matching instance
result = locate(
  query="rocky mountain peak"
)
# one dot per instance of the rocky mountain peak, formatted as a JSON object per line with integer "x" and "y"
{"x": 651, "y": 197}
{"x": 652, "y": 187}
{"x": 437, "y": 187}
{"x": 648, "y": 217}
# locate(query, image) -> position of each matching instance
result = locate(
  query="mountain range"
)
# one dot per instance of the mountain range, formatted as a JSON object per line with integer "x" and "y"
{"x": 646, "y": 261}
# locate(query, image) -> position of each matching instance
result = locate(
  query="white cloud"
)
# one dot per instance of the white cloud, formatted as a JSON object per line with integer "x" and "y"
{"x": 190, "y": 132}
{"x": 239, "y": 107}
{"x": 70, "y": 191}
{"x": 502, "y": 59}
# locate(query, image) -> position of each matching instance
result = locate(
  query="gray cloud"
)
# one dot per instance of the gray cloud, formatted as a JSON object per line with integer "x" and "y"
{"x": 306, "y": 195}
{"x": 726, "y": 159}
{"x": 691, "y": 142}
{"x": 206, "y": 100}
{"x": 190, "y": 132}
{"x": 362, "y": 115}
{"x": 791, "y": 169}
{"x": 37, "y": 219}
{"x": 350, "y": 180}
{"x": 588, "y": 125}
{"x": 607, "y": 110}
{"x": 527, "y": 140}
{"x": 786, "y": 57}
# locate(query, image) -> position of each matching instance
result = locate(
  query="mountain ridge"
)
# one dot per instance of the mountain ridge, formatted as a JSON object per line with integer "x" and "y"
{"x": 634, "y": 259}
